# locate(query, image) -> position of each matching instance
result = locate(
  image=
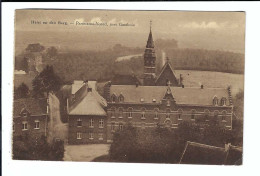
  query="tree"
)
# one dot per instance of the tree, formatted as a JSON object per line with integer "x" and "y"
{"x": 36, "y": 47}
{"x": 52, "y": 52}
{"x": 22, "y": 91}
{"x": 47, "y": 81}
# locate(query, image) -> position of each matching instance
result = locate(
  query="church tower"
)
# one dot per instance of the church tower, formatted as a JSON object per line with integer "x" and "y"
{"x": 149, "y": 61}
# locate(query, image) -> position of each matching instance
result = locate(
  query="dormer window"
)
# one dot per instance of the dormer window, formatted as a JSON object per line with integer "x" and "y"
{"x": 142, "y": 100}
{"x": 121, "y": 98}
{"x": 223, "y": 101}
{"x": 113, "y": 98}
{"x": 215, "y": 101}
{"x": 154, "y": 100}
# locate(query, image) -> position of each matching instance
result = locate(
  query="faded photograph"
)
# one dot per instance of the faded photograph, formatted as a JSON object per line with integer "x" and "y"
{"x": 129, "y": 86}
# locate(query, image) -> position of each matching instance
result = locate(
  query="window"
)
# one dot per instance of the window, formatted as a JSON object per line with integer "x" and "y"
{"x": 25, "y": 126}
{"x": 168, "y": 103}
{"x": 121, "y": 127}
{"x": 24, "y": 114}
{"x": 100, "y": 136}
{"x": 91, "y": 135}
{"x": 143, "y": 113}
{"x": 193, "y": 114}
{"x": 113, "y": 112}
{"x": 101, "y": 123}
{"x": 168, "y": 111}
{"x": 113, "y": 126}
{"x": 113, "y": 98}
{"x": 79, "y": 135}
{"x": 130, "y": 112}
{"x": 215, "y": 101}
{"x": 224, "y": 114}
{"x": 156, "y": 113}
{"x": 154, "y": 100}
{"x": 36, "y": 124}
{"x": 121, "y": 98}
{"x": 179, "y": 114}
{"x": 206, "y": 112}
{"x": 216, "y": 115}
{"x": 79, "y": 123}
{"x": 223, "y": 101}
{"x": 91, "y": 123}
{"x": 121, "y": 112}
{"x": 142, "y": 99}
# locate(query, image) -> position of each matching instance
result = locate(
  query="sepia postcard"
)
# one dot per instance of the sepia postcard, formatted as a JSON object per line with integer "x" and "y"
{"x": 129, "y": 86}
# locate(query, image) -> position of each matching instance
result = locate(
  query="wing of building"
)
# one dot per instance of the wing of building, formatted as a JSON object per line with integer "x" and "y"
{"x": 86, "y": 114}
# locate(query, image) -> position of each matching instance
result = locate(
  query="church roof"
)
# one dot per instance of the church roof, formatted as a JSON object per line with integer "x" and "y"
{"x": 166, "y": 65}
{"x": 187, "y": 95}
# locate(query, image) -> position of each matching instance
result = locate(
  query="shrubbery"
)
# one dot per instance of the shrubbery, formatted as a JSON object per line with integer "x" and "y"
{"x": 38, "y": 149}
{"x": 162, "y": 145}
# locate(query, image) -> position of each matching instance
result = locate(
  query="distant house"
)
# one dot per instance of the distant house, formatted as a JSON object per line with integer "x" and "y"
{"x": 30, "y": 118}
{"x": 87, "y": 116}
{"x": 196, "y": 153}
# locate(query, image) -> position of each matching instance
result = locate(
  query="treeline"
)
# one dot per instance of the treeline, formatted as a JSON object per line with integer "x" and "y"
{"x": 206, "y": 60}
{"x": 101, "y": 65}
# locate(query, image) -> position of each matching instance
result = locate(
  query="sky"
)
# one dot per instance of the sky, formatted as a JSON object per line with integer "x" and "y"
{"x": 194, "y": 29}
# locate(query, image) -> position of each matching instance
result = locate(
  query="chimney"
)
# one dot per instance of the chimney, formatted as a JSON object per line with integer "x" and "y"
{"x": 89, "y": 89}
{"x": 182, "y": 86}
{"x": 201, "y": 86}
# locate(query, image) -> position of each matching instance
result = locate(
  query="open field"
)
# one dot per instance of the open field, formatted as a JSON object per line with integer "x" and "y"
{"x": 193, "y": 78}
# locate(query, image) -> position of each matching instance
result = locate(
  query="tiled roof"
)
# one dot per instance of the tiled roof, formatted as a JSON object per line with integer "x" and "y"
{"x": 167, "y": 64}
{"x": 188, "y": 95}
{"x": 76, "y": 86}
{"x": 89, "y": 105}
{"x": 32, "y": 105}
{"x": 234, "y": 156}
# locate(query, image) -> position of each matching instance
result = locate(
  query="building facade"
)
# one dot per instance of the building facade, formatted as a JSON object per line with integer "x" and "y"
{"x": 30, "y": 118}
{"x": 163, "y": 100}
{"x": 87, "y": 118}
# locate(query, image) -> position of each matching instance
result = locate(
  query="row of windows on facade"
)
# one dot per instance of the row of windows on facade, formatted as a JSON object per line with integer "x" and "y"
{"x": 25, "y": 125}
{"x": 168, "y": 102}
{"x": 91, "y": 123}
{"x": 90, "y": 136}
{"x": 156, "y": 113}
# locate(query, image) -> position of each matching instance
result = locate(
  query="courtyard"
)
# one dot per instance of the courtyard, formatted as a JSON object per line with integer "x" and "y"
{"x": 86, "y": 152}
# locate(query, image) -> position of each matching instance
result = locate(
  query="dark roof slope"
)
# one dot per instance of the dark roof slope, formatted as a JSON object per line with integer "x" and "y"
{"x": 32, "y": 105}
{"x": 196, "y": 153}
{"x": 125, "y": 80}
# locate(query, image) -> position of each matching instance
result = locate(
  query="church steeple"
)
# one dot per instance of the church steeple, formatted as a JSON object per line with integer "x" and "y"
{"x": 150, "y": 43}
{"x": 149, "y": 60}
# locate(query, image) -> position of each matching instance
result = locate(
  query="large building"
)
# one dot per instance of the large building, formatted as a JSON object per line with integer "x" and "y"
{"x": 164, "y": 100}
{"x": 87, "y": 116}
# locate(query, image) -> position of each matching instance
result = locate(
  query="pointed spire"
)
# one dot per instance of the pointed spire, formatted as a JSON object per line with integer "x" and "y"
{"x": 150, "y": 43}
